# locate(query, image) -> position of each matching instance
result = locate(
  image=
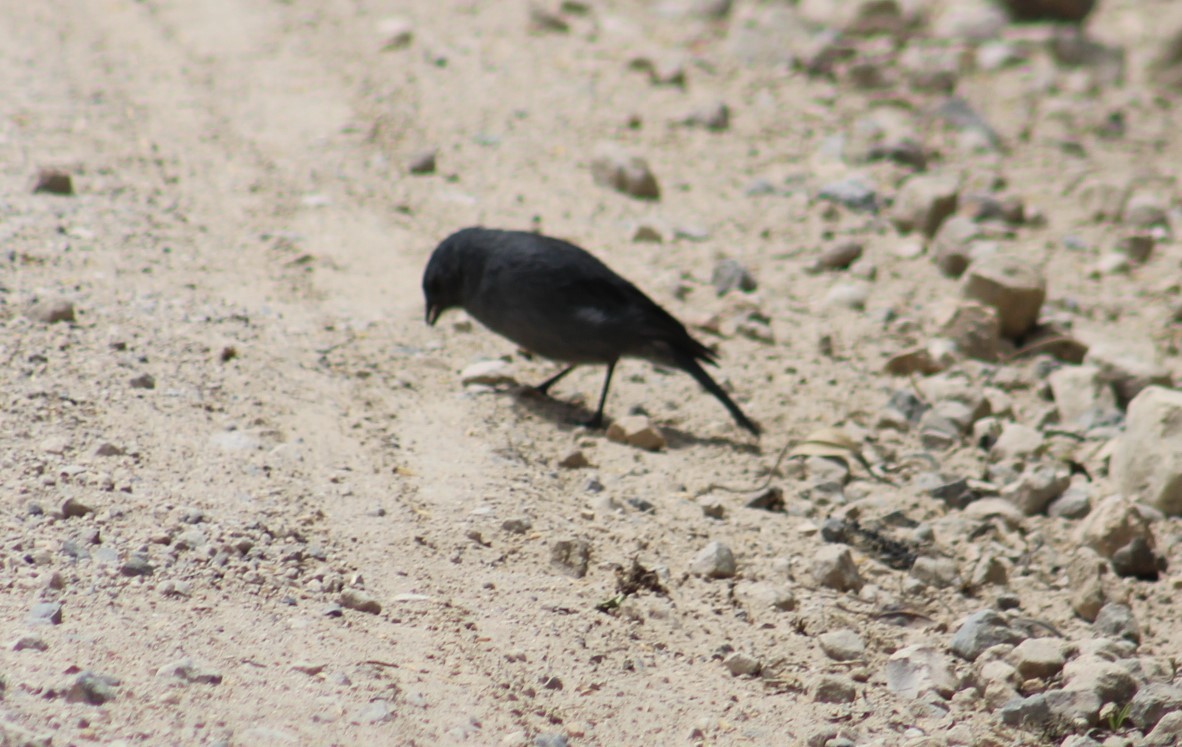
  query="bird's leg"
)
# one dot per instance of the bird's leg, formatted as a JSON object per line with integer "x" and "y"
{"x": 597, "y": 420}
{"x": 545, "y": 385}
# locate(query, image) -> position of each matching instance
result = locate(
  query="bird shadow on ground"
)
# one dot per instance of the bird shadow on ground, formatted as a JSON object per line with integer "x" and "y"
{"x": 679, "y": 439}
{"x": 568, "y": 416}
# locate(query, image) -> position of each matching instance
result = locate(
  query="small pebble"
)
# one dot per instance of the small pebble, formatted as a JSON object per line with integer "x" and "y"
{"x": 715, "y": 560}
{"x": 54, "y": 182}
{"x": 422, "y": 162}
{"x": 355, "y": 599}
{"x": 52, "y": 311}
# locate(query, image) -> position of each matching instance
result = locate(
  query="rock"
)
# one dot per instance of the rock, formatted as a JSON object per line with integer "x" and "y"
{"x": 1102, "y": 200}
{"x": 187, "y": 671}
{"x": 837, "y": 256}
{"x": 1074, "y": 706}
{"x": 662, "y": 71}
{"x": 1111, "y": 263}
{"x": 143, "y": 381}
{"x": 710, "y": 10}
{"x": 985, "y": 433}
{"x": 848, "y": 295}
{"x": 915, "y": 671}
{"x": 1031, "y": 712}
{"x": 907, "y": 405}
{"x": 940, "y": 573}
{"x": 1037, "y": 487}
{"x": 1074, "y": 11}
{"x": 931, "y": 68}
{"x": 517, "y": 524}
{"x": 1038, "y": 658}
{"x": 730, "y": 274}
{"x": 376, "y": 711}
{"x": 1147, "y": 463}
{"x": 982, "y": 207}
{"x": 28, "y": 643}
{"x": 54, "y": 182}
{"x": 1016, "y": 441}
{"x": 833, "y": 566}
{"x": 1138, "y": 560}
{"x": 613, "y": 167}
{"x": 1086, "y": 574}
{"x": 989, "y": 570}
{"x": 422, "y": 162}
{"x": 975, "y": 328}
{"x": 51, "y": 311}
{"x": 1075, "y": 503}
{"x": 916, "y": 360}
{"x": 487, "y": 373}
{"x": 396, "y": 33}
{"x": 57, "y": 445}
{"x": 1129, "y": 367}
{"x": 137, "y": 565}
{"x": 1168, "y": 732}
{"x": 107, "y": 449}
{"x": 356, "y": 599}
{"x": 740, "y": 664}
{"x": 636, "y": 430}
{"x": 1112, "y": 525}
{"x": 1081, "y": 395}
{"x": 842, "y": 645}
{"x": 924, "y": 202}
{"x": 715, "y": 116}
{"x": 1152, "y": 702}
{"x": 544, "y": 20}
{"x": 574, "y": 459}
{"x": 45, "y": 613}
{"x": 95, "y": 689}
{"x": 73, "y": 509}
{"x": 982, "y": 630}
{"x": 645, "y": 233}
{"x": 956, "y": 245}
{"x": 990, "y": 508}
{"x": 834, "y": 688}
{"x": 997, "y": 675}
{"x": 854, "y": 193}
{"x": 976, "y": 133}
{"x": 571, "y": 557}
{"x": 1013, "y": 287}
{"x": 1144, "y": 209}
{"x": 715, "y": 560}
{"x": 1108, "y": 680}
{"x": 1137, "y": 247}
{"x": 1117, "y": 621}
{"x": 757, "y": 596}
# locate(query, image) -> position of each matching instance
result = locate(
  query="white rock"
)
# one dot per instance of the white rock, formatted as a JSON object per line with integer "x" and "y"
{"x": 914, "y": 671}
{"x": 833, "y": 566}
{"x": 715, "y": 560}
{"x": 1148, "y": 459}
{"x": 1111, "y": 525}
{"x": 1013, "y": 286}
{"x": 487, "y": 373}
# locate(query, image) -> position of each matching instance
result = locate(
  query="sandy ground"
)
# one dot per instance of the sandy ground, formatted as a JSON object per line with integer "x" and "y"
{"x": 245, "y": 231}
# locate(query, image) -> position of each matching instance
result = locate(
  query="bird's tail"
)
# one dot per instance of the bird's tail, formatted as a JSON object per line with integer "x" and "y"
{"x": 687, "y": 363}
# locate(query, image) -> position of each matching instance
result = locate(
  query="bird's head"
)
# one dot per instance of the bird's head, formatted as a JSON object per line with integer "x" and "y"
{"x": 443, "y": 280}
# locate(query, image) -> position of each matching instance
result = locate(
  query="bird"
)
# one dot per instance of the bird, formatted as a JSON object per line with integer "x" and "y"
{"x": 557, "y": 300}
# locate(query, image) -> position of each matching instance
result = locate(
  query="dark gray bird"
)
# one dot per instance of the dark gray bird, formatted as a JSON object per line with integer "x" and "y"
{"x": 554, "y": 299}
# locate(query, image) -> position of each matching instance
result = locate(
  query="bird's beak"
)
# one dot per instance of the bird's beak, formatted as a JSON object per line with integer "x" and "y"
{"x": 433, "y": 313}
